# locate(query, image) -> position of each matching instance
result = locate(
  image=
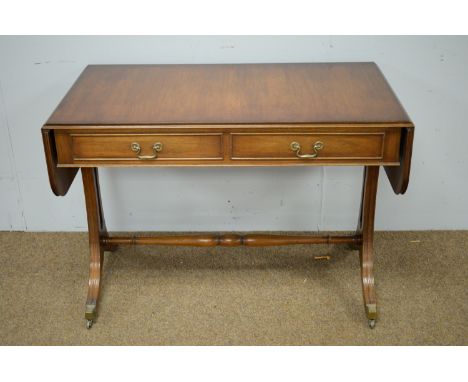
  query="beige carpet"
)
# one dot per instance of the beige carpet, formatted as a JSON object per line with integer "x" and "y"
{"x": 240, "y": 296}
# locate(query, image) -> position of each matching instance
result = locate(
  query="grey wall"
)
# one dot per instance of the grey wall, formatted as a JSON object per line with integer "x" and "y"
{"x": 429, "y": 75}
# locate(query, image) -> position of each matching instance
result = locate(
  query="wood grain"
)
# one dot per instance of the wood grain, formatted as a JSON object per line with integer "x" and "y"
{"x": 399, "y": 176}
{"x": 96, "y": 147}
{"x": 366, "y": 230}
{"x": 229, "y": 115}
{"x": 335, "y": 146}
{"x": 230, "y": 240}
{"x": 220, "y": 145}
{"x": 60, "y": 179}
{"x": 230, "y": 93}
{"x": 96, "y": 231}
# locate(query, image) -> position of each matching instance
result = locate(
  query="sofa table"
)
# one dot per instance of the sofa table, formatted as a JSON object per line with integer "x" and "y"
{"x": 305, "y": 114}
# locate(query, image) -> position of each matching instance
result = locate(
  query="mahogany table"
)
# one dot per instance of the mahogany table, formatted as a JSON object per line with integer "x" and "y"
{"x": 308, "y": 114}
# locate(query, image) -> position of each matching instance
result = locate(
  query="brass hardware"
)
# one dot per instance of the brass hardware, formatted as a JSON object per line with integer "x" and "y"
{"x": 322, "y": 257}
{"x": 90, "y": 312}
{"x": 371, "y": 311}
{"x": 157, "y": 147}
{"x": 295, "y": 146}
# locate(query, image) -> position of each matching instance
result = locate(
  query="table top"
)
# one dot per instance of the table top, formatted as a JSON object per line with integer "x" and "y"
{"x": 310, "y": 93}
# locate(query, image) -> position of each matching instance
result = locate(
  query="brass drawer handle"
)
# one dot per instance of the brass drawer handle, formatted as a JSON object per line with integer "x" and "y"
{"x": 157, "y": 147}
{"x": 295, "y": 146}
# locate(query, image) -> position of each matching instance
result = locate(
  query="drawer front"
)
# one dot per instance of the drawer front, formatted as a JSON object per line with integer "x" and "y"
{"x": 77, "y": 148}
{"x": 226, "y": 146}
{"x": 308, "y": 147}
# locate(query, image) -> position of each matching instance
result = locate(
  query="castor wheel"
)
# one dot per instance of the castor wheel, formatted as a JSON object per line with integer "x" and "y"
{"x": 372, "y": 324}
{"x": 89, "y": 324}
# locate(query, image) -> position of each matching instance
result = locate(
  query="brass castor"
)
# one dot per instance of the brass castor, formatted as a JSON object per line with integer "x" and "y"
{"x": 372, "y": 324}
{"x": 89, "y": 324}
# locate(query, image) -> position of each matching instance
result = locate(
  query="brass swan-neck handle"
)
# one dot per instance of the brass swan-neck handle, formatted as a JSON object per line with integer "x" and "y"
{"x": 157, "y": 147}
{"x": 295, "y": 146}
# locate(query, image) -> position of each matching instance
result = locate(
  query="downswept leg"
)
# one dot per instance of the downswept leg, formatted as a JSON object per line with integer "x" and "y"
{"x": 102, "y": 221}
{"x": 366, "y": 249}
{"x": 96, "y": 229}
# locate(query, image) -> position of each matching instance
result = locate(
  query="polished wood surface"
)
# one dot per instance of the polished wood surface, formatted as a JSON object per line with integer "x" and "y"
{"x": 366, "y": 248}
{"x": 218, "y": 145}
{"x": 98, "y": 148}
{"x": 229, "y": 115}
{"x": 97, "y": 231}
{"x": 60, "y": 179}
{"x": 230, "y": 240}
{"x": 399, "y": 175}
{"x": 308, "y": 98}
{"x": 230, "y": 94}
{"x": 336, "y": 146}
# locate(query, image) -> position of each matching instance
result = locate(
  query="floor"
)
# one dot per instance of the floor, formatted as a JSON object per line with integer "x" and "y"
{"x": 235, "y": 296}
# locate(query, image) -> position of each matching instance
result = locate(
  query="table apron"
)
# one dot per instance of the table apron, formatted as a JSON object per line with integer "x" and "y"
{"x": 151, "y": 147}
